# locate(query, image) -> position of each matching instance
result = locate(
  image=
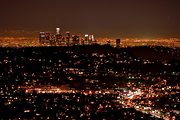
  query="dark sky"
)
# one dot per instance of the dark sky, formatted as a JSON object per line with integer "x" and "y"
{"x": 104, "y": 18}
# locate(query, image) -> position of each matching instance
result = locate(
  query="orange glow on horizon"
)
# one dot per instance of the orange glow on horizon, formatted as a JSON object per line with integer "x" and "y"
{"x": 126, "y": 42}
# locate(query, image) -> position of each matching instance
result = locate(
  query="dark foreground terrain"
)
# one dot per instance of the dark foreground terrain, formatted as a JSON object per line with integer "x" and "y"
{"x": 104, "y": 83}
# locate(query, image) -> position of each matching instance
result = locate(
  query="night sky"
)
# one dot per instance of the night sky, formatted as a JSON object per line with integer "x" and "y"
{"x": 103, "y": 18}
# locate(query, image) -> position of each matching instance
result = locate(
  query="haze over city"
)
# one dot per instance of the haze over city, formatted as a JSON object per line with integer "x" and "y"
{"x": 103, "y": 18}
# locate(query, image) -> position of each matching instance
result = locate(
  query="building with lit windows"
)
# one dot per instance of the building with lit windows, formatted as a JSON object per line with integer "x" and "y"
{"x": 86, "y": 39}
{"x": 75, "y": 39}
{"x": 68, "y": 38}
{"x": 42, "y": 37}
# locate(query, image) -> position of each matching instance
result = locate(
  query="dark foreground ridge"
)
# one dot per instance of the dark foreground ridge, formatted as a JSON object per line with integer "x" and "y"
{"x": 89, "y": 68}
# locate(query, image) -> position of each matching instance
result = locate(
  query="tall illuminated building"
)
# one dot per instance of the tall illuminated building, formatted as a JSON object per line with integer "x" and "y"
{"x": 90, "y": 39}
{"x": 93, "y": 39}
{"x": 42, "y": 37}
{"x": 118, "y": 41}
{"x": 68, "y": 38}
{"x": 52, "y": 40}
{"x": 75, "y": 40}
{"x": 86, "y": 39}
{"x": 57, "y": 31}
{"x": 47, "y": 35}
{"x": 58, "y": 39}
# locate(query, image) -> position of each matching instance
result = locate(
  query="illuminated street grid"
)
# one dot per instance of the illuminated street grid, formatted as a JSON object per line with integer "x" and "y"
{"x": 124, "y": 97}
{"x": 101, "y": 83}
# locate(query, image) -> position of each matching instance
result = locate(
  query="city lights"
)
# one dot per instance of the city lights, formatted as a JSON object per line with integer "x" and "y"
{"x": 90, "y": 60}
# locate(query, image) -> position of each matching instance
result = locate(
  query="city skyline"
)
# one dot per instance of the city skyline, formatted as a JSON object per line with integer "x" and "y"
{"x": 144, "y": 19}
{"x": 90, "y": 59}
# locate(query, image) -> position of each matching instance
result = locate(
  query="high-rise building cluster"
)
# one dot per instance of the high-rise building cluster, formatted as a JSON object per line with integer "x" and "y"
{"x": 68, "y": 39}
